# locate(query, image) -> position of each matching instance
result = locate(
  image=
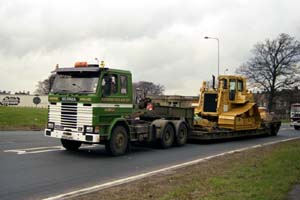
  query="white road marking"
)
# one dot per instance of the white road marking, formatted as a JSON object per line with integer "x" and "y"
{"x": 151, "y": 173}
{"x": 289, "y": 128}
{"x": 42, "y": 149}
{"x": 34, "y": 150}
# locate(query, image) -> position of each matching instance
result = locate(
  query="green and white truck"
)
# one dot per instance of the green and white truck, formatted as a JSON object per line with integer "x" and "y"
{"x": 93, "y": 105}
{"x": 89, "y": 104}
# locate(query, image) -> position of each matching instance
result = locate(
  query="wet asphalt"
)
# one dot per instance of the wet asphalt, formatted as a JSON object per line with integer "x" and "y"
{"x": 34, "y": 167}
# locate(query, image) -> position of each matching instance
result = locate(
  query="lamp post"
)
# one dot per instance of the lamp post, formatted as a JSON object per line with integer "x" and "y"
{"x": 214, "y": 38}
{"x": 226, "y": 70}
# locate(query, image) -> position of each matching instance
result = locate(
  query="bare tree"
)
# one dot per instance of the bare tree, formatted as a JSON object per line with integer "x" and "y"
{"x": 273, "y": 65}
{"x": 144, "y": 88}
{"x": 44, "y": 87}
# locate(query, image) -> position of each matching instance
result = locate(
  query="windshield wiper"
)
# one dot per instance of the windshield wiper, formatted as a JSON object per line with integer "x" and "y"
{"x": 75, "y": 85}
{"x": 62, "y": 91}
{"x": 85, "y": 91}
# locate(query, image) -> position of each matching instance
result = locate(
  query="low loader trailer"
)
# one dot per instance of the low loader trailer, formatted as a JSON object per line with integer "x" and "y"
{"x": 89, "y": 104}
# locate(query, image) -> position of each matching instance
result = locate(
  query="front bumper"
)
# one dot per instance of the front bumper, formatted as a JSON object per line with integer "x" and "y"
{"x": 71, "y": 135}
{"x": 295, "y": 123}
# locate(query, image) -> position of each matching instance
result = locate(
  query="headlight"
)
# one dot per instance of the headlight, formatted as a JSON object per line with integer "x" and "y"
{"x": 89, "y": 129}
{"x": 50, "y": 125}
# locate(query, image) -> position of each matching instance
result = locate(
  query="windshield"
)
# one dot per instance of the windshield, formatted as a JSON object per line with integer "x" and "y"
{"x": 82, "y": 83}
{"x": 295, "y": 108}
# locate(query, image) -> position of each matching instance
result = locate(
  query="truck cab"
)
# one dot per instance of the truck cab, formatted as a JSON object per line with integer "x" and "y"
{"x": 86, "y": 102}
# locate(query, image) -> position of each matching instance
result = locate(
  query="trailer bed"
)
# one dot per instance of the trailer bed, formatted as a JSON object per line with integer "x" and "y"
{"x": 270, "y": 128}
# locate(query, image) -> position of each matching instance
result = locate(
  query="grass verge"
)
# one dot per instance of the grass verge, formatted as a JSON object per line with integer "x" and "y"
{"x": 22, "y": 118}
{"x": 286, "y": 121}
{"x": 264, "y": 173}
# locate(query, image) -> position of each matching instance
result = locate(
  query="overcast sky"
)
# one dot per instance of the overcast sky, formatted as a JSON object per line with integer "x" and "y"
{"x": 159, "y": 41}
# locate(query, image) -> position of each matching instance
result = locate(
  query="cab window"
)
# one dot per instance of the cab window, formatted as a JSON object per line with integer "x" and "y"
{"x": 109, "y": 84}
{"x": 224, "y": 81}
{"x": 240, "y": 86}
{"x": 232, "y": 89}
{"x": 232, "y": 85}
{"x": 123, "y": 80}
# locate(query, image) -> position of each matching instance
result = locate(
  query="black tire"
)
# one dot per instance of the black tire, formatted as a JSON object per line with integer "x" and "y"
{"x": 70, "y": 145}
{"x": 118, "y": 143}
{"x": 167, "y": 136}
{"x": 274, "y": 129}
{"x": 182, "y": 134}
{"x": 297, "y": 127}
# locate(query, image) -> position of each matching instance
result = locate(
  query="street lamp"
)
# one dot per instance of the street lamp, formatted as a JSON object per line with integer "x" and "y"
{"x": 226, "y": 70}
{"x": 214, "y": 38}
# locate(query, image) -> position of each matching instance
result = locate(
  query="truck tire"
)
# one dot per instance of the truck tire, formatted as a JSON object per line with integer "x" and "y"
{"x": 70, "y": 145}
{"x": 118, "y": 143}
{"x": 182, "y": 133}
{"x": 167, "y": 136}
{"x": 296, "y": 127}
{"x": 274, "y": 129}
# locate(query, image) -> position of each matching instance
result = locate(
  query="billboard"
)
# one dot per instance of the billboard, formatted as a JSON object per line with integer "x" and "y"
{"x": 24, "y": 100}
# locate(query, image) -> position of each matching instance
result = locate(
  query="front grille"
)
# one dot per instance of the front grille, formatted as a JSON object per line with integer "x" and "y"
{"x": 294, "y": 119}
{"x": 72, "y": 116}
{"x": 296, "y": 115}
{"x": 69, "y": 115}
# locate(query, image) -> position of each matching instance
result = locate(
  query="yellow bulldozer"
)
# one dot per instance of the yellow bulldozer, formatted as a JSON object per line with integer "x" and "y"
{"x": 229, "y": 106}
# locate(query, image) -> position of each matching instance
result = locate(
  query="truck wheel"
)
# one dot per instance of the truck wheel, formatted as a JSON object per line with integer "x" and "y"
{"x": 118, "y": 143}
{"x": 70, "y": 145}
{"x": 182, "y": 133}
{"x": 297, "y": 127}
{"x": 167, "y": 136}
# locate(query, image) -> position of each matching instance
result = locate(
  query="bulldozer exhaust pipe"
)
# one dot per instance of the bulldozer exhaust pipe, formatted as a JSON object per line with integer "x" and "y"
{"x": 214, "y": 81}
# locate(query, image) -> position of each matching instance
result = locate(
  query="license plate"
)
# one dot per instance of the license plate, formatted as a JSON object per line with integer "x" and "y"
{"x": 67, "y": 136}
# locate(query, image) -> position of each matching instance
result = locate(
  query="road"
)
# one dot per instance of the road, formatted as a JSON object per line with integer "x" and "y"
{"x": 34, "y": 167}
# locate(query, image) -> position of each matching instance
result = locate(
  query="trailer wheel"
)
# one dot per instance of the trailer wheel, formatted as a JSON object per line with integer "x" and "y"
{"x": 118, "y": 143}
{"x": 274, "y": 130}
{"x": 167, "y": 136}
{"x": 70, "y": 145}
{"x": 182, "y": 134}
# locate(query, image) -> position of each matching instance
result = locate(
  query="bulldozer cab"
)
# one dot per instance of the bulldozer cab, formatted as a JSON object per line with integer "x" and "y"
{"x": 235, "y": 86}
